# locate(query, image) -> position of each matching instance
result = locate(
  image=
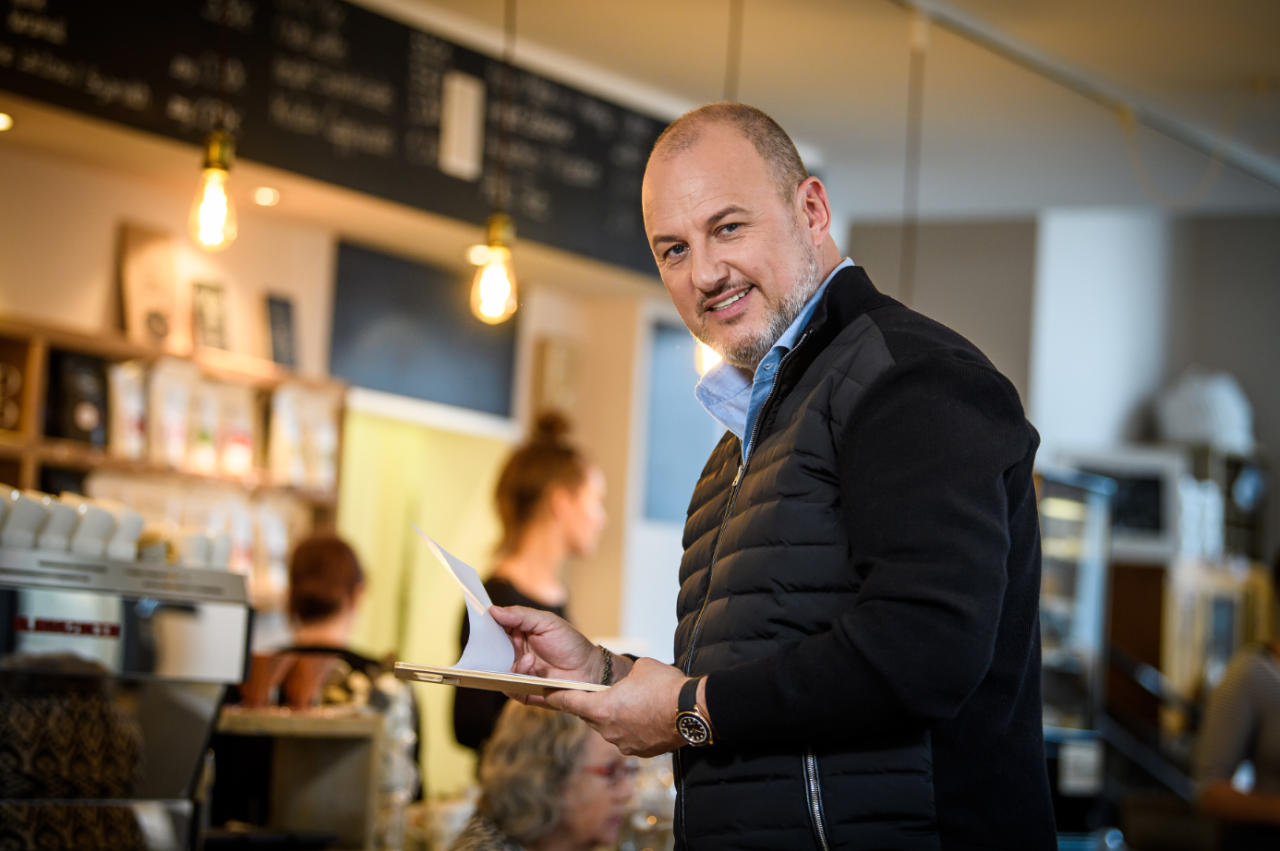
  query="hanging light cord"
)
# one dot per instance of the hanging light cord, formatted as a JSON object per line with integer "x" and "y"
{"x": 911, "y": 170}
{"x": 733, "y": 52}
{"x": 224, "y": 28}
{"x": 501, "y": 189}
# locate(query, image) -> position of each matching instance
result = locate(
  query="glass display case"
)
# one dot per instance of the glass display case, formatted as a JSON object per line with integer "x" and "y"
{"x": 1075, "y": 518}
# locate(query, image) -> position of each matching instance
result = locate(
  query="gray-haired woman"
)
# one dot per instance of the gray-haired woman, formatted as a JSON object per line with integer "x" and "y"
{"x": 548, "y": 782}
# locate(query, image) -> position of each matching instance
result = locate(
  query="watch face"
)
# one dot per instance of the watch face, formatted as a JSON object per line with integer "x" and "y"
{"x": 692, "y": 729}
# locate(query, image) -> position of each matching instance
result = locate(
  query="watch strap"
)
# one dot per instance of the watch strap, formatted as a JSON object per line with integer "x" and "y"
{"x": 688, "y": 695}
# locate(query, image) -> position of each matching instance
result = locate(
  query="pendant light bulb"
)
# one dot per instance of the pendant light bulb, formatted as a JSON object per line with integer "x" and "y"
{"x": 493, "y": 290}
{"x": 213, "y": 214}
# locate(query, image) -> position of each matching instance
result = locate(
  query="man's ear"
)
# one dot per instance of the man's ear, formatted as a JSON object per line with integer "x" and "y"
{"x": 814, "y": 209}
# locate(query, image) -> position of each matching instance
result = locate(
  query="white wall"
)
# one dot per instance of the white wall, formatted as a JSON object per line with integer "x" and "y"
{"x": 1105, "y": 295}
{"x": 59, "y": 225}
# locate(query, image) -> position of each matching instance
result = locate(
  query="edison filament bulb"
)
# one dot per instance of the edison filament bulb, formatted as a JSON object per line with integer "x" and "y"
{"x": 493, "y": 290}
{"x": 213, "y": 214}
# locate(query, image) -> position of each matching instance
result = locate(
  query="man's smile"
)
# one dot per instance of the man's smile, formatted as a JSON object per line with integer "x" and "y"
{"x": 721, "y": 305}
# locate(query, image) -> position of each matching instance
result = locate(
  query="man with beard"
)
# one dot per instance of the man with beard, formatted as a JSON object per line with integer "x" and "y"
{"x": 858, "y": 656}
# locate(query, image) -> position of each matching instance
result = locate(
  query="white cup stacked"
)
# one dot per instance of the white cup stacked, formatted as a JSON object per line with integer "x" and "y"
{"x": 60, "y": 521}
{"x": 22, "y": 517}
{"x": 94, "y": 529}
{"x": 123, "y": 543}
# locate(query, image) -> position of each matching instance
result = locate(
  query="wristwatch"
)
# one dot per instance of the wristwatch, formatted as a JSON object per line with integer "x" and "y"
{"x": 691, "y": 724}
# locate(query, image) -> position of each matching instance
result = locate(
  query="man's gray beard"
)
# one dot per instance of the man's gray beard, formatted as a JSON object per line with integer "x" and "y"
{"x": 747, "y": 354}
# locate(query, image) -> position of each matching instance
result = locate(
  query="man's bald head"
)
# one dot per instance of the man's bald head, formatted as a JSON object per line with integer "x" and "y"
{"x": 766, "y": 135}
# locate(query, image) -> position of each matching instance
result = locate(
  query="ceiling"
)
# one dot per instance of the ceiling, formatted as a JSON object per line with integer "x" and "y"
{"x": 998, "y": 140}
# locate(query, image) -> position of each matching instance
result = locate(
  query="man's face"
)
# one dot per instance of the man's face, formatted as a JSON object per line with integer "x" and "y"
{"x": 735, "y": 257}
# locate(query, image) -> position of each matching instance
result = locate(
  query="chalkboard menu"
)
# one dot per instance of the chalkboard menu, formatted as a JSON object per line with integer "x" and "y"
{"x": 344, "y": 95}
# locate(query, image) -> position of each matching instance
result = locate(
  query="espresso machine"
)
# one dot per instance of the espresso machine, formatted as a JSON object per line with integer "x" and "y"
{"x": 112, "y": 672}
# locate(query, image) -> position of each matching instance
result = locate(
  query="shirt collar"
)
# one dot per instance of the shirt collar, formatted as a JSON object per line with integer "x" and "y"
{"x": 725, "y": 391}
{"x": 788, "y": 339}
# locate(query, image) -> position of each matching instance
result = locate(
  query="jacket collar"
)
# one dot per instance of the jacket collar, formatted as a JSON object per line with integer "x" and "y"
{"x": 849, "y": 295}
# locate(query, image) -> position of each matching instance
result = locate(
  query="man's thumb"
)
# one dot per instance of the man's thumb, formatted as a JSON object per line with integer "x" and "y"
{"x": 567, "y": 700}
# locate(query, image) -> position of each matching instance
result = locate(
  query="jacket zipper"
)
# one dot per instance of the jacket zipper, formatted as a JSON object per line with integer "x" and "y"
{"x": 733, "y": 499}
{"x": 715, "y": 552}
{"x": 813, "y": 790}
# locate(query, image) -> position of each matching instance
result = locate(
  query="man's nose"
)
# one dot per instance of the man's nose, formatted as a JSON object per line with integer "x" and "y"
{"x": 709, "y": 273}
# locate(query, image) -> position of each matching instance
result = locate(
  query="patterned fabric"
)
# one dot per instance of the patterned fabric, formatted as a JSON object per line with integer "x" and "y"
{"x": 68, "y": 742}
{"x": 67, "y": 746}
{"x": 44, "y": 827}
{"x": 480, "y": 834}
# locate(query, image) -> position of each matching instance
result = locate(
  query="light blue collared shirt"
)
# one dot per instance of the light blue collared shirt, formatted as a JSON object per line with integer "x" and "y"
{"x": 733, "y": 396}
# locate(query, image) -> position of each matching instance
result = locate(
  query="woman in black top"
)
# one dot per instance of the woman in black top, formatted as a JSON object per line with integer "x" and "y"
{"x": 551, "y": 501}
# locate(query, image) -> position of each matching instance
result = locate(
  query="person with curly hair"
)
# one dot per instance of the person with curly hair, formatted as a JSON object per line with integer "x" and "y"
{"x": 548, "y": 782}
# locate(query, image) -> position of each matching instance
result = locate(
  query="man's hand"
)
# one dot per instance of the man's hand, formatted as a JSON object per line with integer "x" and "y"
{"x": 547, "y": 646}
{"x": 638, "y": 714}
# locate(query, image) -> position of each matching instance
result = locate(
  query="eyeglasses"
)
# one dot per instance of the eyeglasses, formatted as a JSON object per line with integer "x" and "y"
{"x": 616, "y": 773}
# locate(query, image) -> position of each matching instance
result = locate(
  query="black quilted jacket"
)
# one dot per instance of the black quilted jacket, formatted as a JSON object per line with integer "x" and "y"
{"x": 864, "y": 596}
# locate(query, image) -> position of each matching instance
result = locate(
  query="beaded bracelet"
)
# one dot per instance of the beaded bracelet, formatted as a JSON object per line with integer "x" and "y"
{"x": 608, "y": 665}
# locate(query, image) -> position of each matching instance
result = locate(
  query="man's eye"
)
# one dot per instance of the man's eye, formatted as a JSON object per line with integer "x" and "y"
{"x": 676, "y": 251}
{"x": 729, "y": 228}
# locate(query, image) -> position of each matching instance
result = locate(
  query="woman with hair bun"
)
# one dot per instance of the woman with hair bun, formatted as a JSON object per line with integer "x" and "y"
{"x": 551, "y": 503}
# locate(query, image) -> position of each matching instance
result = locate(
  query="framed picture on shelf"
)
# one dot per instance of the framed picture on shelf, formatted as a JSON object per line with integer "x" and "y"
{"x": 280, "y": 330}
{"x": 148, "y": 290}
{"x": 209, "y": 315}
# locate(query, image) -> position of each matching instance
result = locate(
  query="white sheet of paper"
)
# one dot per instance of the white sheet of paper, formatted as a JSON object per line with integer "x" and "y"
{"x": 488, "y": 647}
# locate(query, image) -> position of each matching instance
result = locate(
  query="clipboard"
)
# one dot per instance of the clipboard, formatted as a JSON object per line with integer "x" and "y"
{"x": 511, "y": 683}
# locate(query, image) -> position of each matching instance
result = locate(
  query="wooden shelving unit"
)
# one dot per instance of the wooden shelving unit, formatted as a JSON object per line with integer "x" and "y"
{"x": 25, "y": 450}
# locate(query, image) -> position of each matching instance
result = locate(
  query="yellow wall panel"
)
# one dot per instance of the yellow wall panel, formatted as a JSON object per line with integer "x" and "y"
{"x": 394, "y": 473}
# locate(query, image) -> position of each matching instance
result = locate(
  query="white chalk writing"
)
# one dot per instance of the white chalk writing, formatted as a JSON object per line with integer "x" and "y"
{"x": 534, "y": 123}
{"x": 349, "y": 86}
{"x": 33, "y": 25}
{"x": 347, "y": 134}
{"x": 43, "y": 64}
{"x": 204, "y": 113}
{"x": 296, "y": 114}
{"x": 350, "y": 135}
{"x": 301, "y": 37}
{"x": 236, "y": 14}
{"x": 203, "y": 70}
{"x": 133, "y": 94}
